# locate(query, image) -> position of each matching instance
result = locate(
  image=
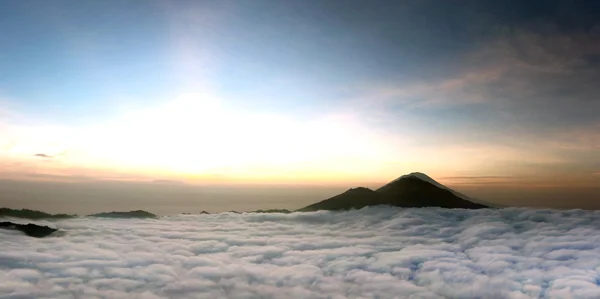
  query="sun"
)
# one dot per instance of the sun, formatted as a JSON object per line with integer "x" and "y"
{"x": 197, "y": 134}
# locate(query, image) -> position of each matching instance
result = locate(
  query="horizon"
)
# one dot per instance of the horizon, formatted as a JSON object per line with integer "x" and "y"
{"x": 96, "y": 196}
{"x": 497, "y": 100}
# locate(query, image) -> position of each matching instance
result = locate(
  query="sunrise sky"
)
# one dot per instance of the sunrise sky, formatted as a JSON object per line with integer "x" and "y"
{"x": 301, "y": 92}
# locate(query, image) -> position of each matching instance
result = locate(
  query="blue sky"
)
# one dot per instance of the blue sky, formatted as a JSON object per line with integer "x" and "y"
{"x": 482, "y": 89}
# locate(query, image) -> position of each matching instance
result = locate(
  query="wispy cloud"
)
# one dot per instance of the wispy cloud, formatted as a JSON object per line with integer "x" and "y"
{"x": 526, "y": 91}
{"x": 521, "y": 65}
{"x": 459, "y": 89}
{"x": 48, "y": 156}
{"x": 489, "y": 180}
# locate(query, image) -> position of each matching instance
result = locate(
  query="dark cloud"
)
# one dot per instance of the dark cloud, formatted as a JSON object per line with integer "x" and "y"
{"x": 46, "y": 156}
{"x": 61, "y": 154}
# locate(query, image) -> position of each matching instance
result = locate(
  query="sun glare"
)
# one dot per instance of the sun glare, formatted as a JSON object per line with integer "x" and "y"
{"x": 198, "y": 134}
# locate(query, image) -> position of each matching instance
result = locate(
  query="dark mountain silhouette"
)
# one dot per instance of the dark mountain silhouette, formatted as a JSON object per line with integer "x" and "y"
{"x": 415, "y": 190}
{"x": 201, "y": 213}
{"x": 32, "y": 230}
{"x": 355, "y": 198}
{"x": 426, "y": 178}
{"x": 284, "y": 211}
{"x": 130, "y": 214}
{"x": 32, "y": 214}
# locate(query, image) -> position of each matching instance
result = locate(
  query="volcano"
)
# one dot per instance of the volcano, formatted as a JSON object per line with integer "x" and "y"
{"x": 414, "y": 190}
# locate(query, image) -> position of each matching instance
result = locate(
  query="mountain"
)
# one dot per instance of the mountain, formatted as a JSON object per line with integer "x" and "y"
{"x": 32, "y": 230}
{"x": 414, "y": 190}
{"x": 426, "y": 178}
{"x": 201, "y": 213}
{"x": 354, "y": 198}
{"x": 282, "y": 211}
{"x": 130, "y": 214}
{"x": 32, "y": 214}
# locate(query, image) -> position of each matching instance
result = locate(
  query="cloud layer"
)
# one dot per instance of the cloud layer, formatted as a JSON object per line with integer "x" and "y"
{"x": 370, "y": 253}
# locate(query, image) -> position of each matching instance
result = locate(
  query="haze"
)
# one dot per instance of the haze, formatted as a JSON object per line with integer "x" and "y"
{"x": 230, "y": 105}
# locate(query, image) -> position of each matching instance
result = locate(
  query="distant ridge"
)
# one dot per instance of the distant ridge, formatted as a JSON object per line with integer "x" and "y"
{"x": 32, "y": 214}
{"x": 130, "y": 214}
{"x": 354, "y": 198}
{"x": 413, "y": 190}
{"x": 201, "y": 213}
{"x": 281, "y": 211}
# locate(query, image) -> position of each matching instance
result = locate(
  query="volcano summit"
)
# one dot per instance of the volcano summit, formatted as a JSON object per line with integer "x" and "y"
{"x": 414, "y": 190}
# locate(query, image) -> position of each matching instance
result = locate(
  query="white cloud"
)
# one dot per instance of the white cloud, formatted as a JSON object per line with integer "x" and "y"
{"x": 370, "y": 253}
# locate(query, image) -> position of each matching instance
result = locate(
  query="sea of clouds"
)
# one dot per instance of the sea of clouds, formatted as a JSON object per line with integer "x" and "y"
{"x": 377, "y": 252}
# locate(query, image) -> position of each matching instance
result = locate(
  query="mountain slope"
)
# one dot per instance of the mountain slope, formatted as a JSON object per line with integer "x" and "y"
{"x": 412, "y": 191}
{"x": 130, "y": 214}
{"x": 409, "y": 191}
{"x": 32, "y": 214}
{"x": 426, "y": 178}
{"x": 355, "y": 198}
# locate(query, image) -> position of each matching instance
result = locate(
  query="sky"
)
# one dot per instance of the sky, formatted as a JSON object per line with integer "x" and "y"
{"x": 495, "y": 97}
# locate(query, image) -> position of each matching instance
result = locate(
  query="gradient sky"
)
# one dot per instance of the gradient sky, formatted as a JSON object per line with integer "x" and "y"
{"x": 474, "y": 93}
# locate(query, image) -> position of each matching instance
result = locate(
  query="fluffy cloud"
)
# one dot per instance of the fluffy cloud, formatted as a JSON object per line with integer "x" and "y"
{"x": 370, "y": 253}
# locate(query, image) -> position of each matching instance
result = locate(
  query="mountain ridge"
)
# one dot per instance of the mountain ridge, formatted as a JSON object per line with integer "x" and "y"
{"x": 412, "y": 190}
{"x": 427, "y": 178}
{"x": 415, "y": 189}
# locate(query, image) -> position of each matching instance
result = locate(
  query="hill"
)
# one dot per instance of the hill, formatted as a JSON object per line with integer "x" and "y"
{"x": 130, "y": 214}
{"x": 426, "y": 178}
{"x": 32, "y": 230}
{"x": 354, "y": 198}
{"x": 282, "y": 211}
{"x": 409, "y": 191}
{"x": 32, "y": 214}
